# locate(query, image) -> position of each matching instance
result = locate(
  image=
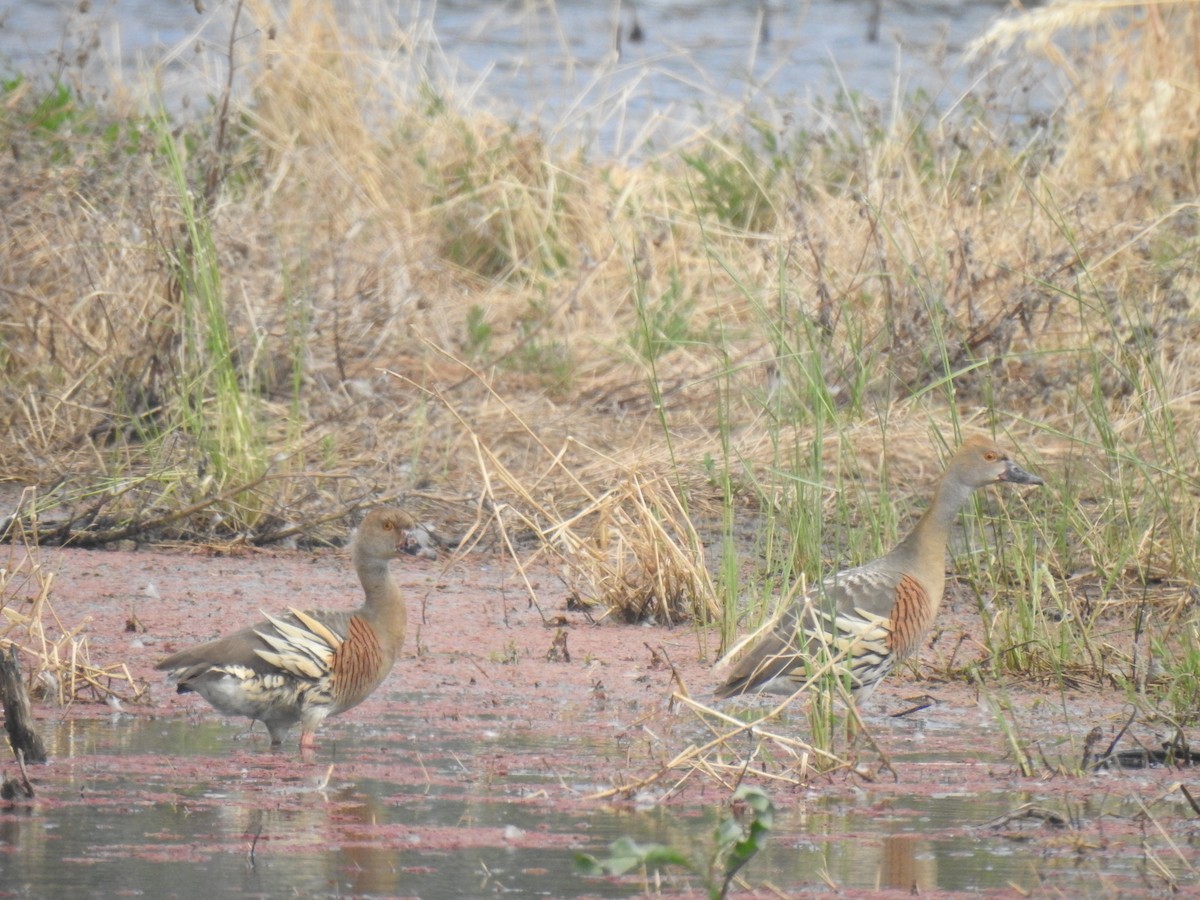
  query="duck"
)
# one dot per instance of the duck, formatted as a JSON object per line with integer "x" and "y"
{"x": 870, "y": 618}
{"x": 300, "y": 667}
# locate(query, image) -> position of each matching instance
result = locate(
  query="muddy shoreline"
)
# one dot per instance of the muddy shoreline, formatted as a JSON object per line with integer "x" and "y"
{"x": 500, "y": 724}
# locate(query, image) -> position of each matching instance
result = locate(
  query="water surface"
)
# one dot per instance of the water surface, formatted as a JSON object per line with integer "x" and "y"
{"x": 190, "y": 808}
{"x": 618, "y": 73}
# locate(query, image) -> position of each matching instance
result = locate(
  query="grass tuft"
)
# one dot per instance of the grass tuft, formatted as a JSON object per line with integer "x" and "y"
{"x": 56, "y": 658}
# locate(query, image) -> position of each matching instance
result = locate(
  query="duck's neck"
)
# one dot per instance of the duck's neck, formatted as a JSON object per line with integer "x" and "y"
{"x": 383, "y": 604}
{"x": 925, "y": 546}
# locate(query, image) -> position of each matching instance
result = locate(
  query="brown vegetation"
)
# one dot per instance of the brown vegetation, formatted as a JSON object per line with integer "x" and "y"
{"x": 625, "y": 367}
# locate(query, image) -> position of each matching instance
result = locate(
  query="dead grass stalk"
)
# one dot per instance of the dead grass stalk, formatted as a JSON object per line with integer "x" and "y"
{"x": 58, "y": 657}
{"x": 618, "y": 532}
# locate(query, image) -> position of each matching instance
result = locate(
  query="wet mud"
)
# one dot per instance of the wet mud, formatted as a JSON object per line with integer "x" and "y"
{"x": 475, "y": 769}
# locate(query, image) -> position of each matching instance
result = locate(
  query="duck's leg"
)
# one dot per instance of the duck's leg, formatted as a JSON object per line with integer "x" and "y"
{"x": 308, "y": 739}
{"x": 278, "y": 733}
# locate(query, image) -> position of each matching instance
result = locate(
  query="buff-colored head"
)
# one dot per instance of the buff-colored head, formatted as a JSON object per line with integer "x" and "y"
{"x": 384, "y": 534}
{"x": 980, "y": 462}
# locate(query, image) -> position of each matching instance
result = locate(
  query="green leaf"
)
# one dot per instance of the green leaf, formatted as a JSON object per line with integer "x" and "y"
{"x": 626, "y": 854}
{"x": 743, "y": 850}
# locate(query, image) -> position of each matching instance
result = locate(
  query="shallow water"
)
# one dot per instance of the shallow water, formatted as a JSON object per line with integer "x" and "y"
{"x": 572, "y": 63}
{"x": 191, "y": 808}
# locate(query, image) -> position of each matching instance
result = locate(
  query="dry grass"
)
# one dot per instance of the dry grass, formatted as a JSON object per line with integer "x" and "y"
{"x": 738, "y": 751}
{"x": 629, "y": 547}
{"x": 759, "y": 747}
{"x": 631, "y": 365}
{"x": 55, "y": 656}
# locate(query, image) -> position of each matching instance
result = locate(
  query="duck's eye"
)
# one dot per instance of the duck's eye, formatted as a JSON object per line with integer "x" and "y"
{"x": 389, "y": 525}
{"x": 991, "y": 456}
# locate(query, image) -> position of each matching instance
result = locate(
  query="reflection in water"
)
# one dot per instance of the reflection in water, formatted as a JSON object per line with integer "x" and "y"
{"x": 220, "y": 816}
{"x": 896, "y": 861}
{"x": 369, "y": 867}
{"x": 186, "y": 808}
{"x": 908, "y": 864}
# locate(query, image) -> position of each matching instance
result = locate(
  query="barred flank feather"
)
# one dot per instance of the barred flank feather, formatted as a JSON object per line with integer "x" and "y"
{"x": 356, "y": 665}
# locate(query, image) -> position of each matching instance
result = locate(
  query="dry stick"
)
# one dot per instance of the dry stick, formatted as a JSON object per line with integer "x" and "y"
{"x": 54, "y": 312}
{"x": 26, "y": 784}
{"x": 86, "y": 539}
{"x": 675, "y": 676}
{"x": 253, "y": 845}
{"x": 12, "y": 788}
{"x": 499, "y": 399}
{"x": 73, "y": 669}
{"x": 924, "y": 703}
{"x": 215, "y": 174}
{"x": 1120, "y": 734}
{"x": 508, "y": 544}
{"x": 630, "y": 787}
{"x": 91, "y": 678}
{"x": 484, "y": 458}
{"x": 1030, "y": 811}
{"x": 885, "y": 761}
{"x": 1190, "y": 799}
{"x": 497, "y": 515}
{"x": 695, "y": 758}
{"x": 18, "y": 716}
{"x": 827, "y": 667}
{"x": 1093, "y": 737}
{"x": 1170, "y": 843}
{"x": 505, "y": 474}
{"x": 741, "y": 727}
{"x": 692, "y": 752}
